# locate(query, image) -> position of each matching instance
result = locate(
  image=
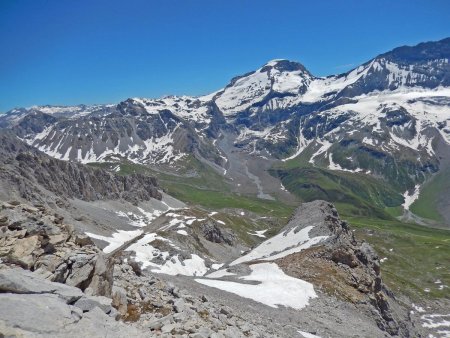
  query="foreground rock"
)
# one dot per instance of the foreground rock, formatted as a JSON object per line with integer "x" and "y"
{"x": 166, "y": 310}
{"x": 37, "y": 239}
{"x": 55, "y": 282}
{"x": 31, "y": 306}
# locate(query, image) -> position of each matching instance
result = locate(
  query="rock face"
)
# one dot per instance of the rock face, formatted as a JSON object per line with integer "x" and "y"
{"x": 28, "y": 170}
{"x": 214, "y": 233}
{"x": 31, "y": 306}
{"x": 342, "y": 266}
{"x": 36, "y": 239}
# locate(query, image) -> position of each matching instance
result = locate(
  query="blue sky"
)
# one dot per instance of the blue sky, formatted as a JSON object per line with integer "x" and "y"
{"x": 92, "y": 51}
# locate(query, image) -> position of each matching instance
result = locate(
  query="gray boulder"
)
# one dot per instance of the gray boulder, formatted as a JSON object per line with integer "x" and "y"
{"x": 21, "y": 281}
{"x": 43, "y": 313}
{"x": 88, "y": 303}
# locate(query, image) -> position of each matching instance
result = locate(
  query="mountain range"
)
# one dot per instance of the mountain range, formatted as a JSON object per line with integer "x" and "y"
{"x": 386, "y": 122}
{"x": 222, "y": 215}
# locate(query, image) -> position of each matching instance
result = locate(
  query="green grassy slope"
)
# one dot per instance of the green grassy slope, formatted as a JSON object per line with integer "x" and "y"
{"x": 354, "y": 194}
{"x": 417, "y": 256}
{"x": 198, "y": 184}
{"x": 436, "y": 189}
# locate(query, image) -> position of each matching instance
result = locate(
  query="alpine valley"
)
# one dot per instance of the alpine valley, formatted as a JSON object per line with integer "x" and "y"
{"x": 222, "y": 215}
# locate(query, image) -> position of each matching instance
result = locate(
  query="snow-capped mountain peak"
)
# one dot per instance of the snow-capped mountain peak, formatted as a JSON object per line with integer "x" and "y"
{"x": 276, "y": 79}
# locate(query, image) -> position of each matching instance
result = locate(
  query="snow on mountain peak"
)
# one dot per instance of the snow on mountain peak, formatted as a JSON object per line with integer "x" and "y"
{"x": 277, "y": 76}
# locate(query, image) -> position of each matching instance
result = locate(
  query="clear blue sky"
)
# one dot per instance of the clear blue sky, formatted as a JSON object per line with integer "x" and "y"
{"x": 91, "y": 51}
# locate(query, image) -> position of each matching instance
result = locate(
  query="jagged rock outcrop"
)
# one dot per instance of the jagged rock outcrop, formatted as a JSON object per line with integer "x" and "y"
{"x": 36, "y": 239}
{"x": 28, "y": 171}
{"x": 342, "y": 266}
{"x": 53, "y": 282}
{"x": 214, "y": 233}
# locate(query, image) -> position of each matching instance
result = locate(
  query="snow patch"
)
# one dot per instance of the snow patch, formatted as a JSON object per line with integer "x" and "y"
{"x": 411, "y": 198}
{"x": 258, "y": 233}
{"x": 194, "y": 266}
{"x": 281, "y": 245}
{"x": 274, "y": 289}
{"x": 117, "y": 239}
{"x": 307, "y": 334}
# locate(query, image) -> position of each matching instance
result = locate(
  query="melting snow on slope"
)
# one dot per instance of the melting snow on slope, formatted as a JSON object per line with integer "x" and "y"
{"x": 439, "y": 322}
{"x": 117, "y": 239}
{"x": 307, "y": 334}
{"x": 419, "y": 102}
{"x": 337, "y": 166}
{"x": 258, "y": 233}
{"x": 186, "y": 107}
{"x": 194, "y": 266}
{"x": 145, "y": 253}
{"x": 418, "y": 308}
{"x": 409, "y": 199}
{"x": 275, "y": 288}
{"x": 302, "y": 143}
{"x": 325, "y": 145}
{"x": 281, "y": 245}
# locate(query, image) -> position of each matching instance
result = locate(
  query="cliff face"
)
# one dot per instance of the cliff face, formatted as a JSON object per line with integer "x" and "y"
{"x": 27, "y": 170}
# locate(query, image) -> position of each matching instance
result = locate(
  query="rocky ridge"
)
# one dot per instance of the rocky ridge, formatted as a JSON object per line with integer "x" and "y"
{"x": 343, "y": 267}
{"x": 43, "y": 260}
{"x": 26, "y": 171}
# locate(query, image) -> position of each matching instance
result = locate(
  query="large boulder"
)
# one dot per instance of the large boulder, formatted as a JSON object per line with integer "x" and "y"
{"x": 32, "y": 306}
{"x": 19, "y": 281}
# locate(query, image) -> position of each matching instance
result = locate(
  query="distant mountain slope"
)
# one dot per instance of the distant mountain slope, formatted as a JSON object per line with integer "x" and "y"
{"x": 383, "y": 119}
{"x": 25, "y": 172}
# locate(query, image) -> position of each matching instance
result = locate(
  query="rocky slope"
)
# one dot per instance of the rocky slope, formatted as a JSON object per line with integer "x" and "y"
{"x": 342, "y": 266}
{"x": 25, "y": 171}
{"x": 184, "y": 275}
{"x": 43, "y": 261}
